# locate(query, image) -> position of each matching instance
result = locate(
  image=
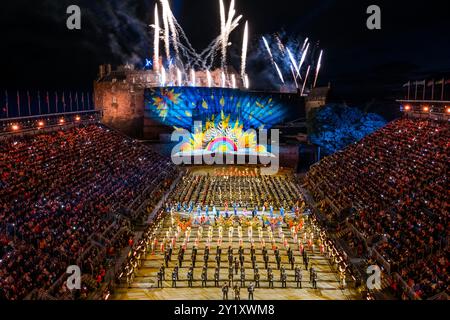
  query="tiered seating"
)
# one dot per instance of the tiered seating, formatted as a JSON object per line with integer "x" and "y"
{"x": 57, "y": 189}
{"x": 429, "y": 276}
{"x": 396, "y": 178}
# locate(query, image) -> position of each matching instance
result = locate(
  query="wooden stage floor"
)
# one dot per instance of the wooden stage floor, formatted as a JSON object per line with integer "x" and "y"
{"x": 144, "y": 286}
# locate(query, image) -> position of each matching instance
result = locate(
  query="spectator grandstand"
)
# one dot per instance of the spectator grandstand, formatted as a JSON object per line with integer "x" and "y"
{"x": 392, "y": 187}
{"x": 68, "y": 197}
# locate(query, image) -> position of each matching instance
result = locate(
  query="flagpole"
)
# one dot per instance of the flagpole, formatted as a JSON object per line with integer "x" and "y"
{"x": 416, "y": 92}
{"x": 432, "y": 91}
{"x": 409, "y": 89}
{"x": 70, "y": 101}
{"x": 7, "y": 103}
{"x": 18, "y": 103}
{"x": 29, "y": 103}
{"x": 64, "y": 103}
{"x": 424, "y": 88}
{"x": 39, "y": 102}
{"x": 56, "y": 102}
{"x": 47, "y": 98}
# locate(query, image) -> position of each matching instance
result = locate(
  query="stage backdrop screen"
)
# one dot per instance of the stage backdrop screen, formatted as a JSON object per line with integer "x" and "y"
{"x": 226, "y": 115}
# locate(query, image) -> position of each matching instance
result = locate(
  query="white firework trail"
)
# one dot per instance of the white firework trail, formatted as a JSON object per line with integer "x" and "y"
{"x": 163, "y": 76}
{"x": 233, "y": 81}
{"x": 294, "y": 76}
{"x": 166, "y": 31}
{"x": 246, "y": 82}
{"x": 188, "y": 49}
{"x": 231, "y": 14}
{"x": 173, "y": 36}
{"x": 228, "y": 24}
{"x": 293, "y": 63}
{"x": 266, "y": 44}
{"x": 306, "y": 79}
{"x": 156, "y": 40}
{"x": 319, "y": 65}
{"x": 173, "y": 29}
{"x": 208, "y": 76}
{"x": 180, "y": 77}
{"x": 280, "y": 45}
{"x": 205, "y": 59}
{"x": 304, "y": 43}
{"x": 193, "y": 58}
{"x": 244, "y": 50}
{"x": 223, "y": 32}
{"x": 224, "y": 80}
{"x": 280, "y": 74}
{"x": 304, "y": 54}
{"x": 193, "y": 80}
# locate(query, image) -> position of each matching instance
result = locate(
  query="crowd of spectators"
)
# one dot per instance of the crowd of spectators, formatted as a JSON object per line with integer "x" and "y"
{"x": 59, "y": 189}
{"x": 395, "y": 181}
{"x": 429, "y": 276}
{"x": 355, "y": 245}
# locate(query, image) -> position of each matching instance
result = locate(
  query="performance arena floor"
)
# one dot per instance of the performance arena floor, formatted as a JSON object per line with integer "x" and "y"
{"x": 144, "y": 286}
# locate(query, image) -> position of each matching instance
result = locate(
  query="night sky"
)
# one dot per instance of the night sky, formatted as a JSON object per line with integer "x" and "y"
{"x": 39, "y": 52}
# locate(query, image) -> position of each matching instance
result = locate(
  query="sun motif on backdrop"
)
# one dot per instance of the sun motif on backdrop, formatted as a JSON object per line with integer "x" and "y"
{"x": 223, "y": 135}
{"x": 163, "y": 100}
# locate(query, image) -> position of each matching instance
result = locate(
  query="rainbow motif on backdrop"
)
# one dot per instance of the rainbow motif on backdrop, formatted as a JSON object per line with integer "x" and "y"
{"x": 223, "y": 135}
{"x": 222, "y": 144}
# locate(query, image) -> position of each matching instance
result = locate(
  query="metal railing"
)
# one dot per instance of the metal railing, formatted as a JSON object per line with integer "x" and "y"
{"x": 410, "y": 292}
